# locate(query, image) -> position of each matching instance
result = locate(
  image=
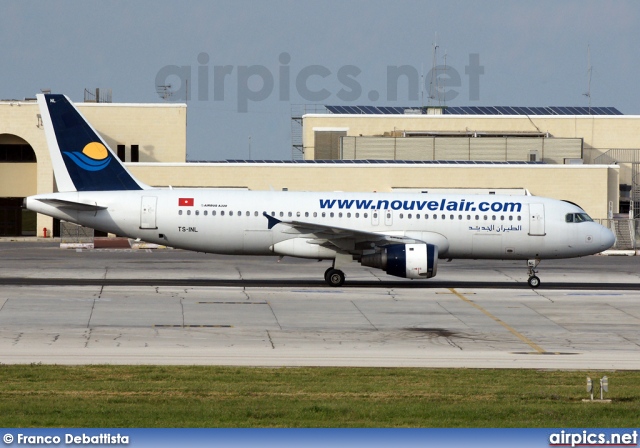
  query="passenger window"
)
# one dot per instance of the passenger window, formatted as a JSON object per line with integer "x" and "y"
{"x": 340, "y": 215}
{"x": 510, "y": 218}
{"x": 197, "y": 212}
{"x": 493, "y": 217}
{"x": 519, "y": 218}
{"x": 281, "y": 214}
{"x": 357, "y": 215}
{"x": 248, "y": 213}
{"x": 306, "y": 214}
{"x": 501, "y": 217}
{"x": 486, "y": 217}
{"x": 297, "y": 214}
{"x": 331, "y": 214}
{"x": 213, "y": 213}
{"x": 324, "y": 214}
{"x": 444, "y": 216}
{"x": 290, "y": 214}
{"x": 401, "y": 215}
{"x": 179, "y": 212}
{"x": 205, "y": 213}
{"x": 417, "y": 215}
{"x": 477, "y": 218}
{"x": 366, "y": 215}
{"x": 315, "y": 214}
{"x": 409, "y": 216}
{"x": 188, "y": 212}
{"x": 255, "y": 213}
{"x": 230, "y": 213}
{"x": 222, "y": 213}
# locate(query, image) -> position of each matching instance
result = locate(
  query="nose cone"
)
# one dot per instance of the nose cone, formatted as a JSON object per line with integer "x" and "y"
{"x": 607, "y": 238}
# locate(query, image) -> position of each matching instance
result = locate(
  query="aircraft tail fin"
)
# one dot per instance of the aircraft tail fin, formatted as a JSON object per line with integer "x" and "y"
{"x": 81, "y": 159}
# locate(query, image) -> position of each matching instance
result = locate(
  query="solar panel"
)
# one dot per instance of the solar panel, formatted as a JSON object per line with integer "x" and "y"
{"x": 503, "y": 110}
{"x": 478, "y": 110}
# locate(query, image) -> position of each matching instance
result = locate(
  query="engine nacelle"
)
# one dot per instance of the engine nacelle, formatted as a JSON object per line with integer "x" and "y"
{"x": 405, "y": 260}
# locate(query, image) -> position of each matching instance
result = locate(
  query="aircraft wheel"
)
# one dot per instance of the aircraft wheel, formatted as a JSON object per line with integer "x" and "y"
{"x": 533, "y": 281}
{"x": 334, "y": 277}
{"x": 326, "y": 274}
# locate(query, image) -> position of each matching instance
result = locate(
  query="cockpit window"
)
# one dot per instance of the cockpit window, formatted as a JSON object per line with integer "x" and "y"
{"x": 577, "y": 217}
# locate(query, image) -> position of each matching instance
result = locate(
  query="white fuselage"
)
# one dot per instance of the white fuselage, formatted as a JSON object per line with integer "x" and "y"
{"x": 233, "y": 222}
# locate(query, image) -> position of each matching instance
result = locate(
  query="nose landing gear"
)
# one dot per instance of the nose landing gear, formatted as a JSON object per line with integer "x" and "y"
{"x": 533, "y": 281}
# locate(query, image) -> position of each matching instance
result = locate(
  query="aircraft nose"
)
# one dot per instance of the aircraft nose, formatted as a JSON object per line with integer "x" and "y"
{"x": 607, "y": 238}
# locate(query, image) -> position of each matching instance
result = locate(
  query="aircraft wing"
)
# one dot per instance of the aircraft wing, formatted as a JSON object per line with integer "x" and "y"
{"x": 341, "y": 237}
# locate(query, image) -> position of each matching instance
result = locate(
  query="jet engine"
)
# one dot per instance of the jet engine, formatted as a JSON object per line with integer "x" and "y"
{"x": 405, "y": 260}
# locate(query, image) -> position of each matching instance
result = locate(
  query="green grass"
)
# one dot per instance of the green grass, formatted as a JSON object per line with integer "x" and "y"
{"x": 165, "y": 396}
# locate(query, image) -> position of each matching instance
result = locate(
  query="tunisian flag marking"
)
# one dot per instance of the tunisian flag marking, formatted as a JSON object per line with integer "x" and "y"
{"x": 185, "y": 202}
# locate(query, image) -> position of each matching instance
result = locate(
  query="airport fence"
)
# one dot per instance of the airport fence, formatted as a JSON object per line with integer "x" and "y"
{"x": 627, "y": 232}
{"x": 75, "y": 236}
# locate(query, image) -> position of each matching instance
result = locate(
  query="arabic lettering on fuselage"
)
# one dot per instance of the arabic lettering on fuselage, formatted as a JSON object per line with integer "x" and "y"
{"x": 497, "y": 229}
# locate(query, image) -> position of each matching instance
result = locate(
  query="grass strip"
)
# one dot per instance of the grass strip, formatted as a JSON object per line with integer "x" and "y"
{"x": 205, "y": 396}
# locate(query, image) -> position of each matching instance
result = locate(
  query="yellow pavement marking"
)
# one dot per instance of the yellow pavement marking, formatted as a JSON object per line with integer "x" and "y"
{"x": 512, "y": 330}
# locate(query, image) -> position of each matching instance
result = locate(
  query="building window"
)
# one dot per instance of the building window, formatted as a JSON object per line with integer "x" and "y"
{"x": 135, "y": 153}
{"x": 17, "y": 153}
{"x": 121, "y": 153}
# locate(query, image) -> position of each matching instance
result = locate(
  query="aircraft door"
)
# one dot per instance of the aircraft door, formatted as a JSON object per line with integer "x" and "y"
{"x": 148, "y": 212}
{"x": 536, "y": 220}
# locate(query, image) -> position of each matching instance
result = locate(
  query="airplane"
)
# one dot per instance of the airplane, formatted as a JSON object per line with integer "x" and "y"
{"x": 403, "y": 234}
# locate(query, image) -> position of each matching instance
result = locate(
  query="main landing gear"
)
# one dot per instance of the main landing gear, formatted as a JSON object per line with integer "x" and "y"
{"x": 334, "y": 277}
{"x": 533, "y": 281}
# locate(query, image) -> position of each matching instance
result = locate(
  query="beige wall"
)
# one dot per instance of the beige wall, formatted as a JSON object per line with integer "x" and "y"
{"x": 18, "y": 180}
{"x": 591, "y": 186}
{"x": 160, "y": 130}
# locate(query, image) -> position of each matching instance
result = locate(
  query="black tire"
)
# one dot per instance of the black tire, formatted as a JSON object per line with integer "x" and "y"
{"x": 533, "y": 281}
{"x": 326, "y": 274}
{"x": 334, "y": 277}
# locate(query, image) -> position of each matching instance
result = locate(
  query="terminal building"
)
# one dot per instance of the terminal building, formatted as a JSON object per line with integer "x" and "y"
{"x": 582, "y": 156}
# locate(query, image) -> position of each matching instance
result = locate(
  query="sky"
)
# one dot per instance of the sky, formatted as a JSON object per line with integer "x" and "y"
{"x": 241, "y": 65}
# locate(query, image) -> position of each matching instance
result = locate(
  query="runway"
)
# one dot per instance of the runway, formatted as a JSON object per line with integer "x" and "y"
{"x": 176, "y": 307}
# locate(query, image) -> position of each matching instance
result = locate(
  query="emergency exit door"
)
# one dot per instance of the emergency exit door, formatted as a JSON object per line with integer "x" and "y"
{"x": 536, "y": 220}
{"x": 148, "y": 212}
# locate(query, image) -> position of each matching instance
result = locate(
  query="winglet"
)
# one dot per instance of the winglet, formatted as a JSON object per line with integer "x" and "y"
{"x": 272, "y": 221}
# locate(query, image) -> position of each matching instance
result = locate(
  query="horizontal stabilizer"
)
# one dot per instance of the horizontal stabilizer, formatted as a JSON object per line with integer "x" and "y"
{"x": 80, "y": 206}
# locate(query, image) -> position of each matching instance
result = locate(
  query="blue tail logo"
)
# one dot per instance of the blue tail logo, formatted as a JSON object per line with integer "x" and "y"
{"x": 94, "y": 157}
{"x": 89, "y": 164}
